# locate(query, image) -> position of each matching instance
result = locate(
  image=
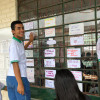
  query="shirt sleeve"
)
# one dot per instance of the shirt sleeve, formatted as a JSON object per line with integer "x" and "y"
{"x": 13, "y": 53}
{"x": 2, "y": 85}
{"x": 98, "y": 49}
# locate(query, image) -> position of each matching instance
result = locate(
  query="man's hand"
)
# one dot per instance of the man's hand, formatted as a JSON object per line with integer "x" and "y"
{"x": 31, "y": 37}
{"x": 20, "y": 89}
{"x": 30, "y": 40}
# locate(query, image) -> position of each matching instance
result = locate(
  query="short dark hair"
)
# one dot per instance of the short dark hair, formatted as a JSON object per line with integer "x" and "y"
{"x": 14, "y": 23}
{"x": 66, "y": 86}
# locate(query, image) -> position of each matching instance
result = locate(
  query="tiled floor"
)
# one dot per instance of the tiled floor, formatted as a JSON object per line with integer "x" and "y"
{"x": 5, "y": 96}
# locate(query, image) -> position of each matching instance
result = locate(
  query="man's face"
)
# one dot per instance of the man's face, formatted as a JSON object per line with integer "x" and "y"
{"x": 19, "y": 31}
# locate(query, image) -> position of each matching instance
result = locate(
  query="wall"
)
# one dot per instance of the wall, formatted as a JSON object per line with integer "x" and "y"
{"x": 8, "y": 13}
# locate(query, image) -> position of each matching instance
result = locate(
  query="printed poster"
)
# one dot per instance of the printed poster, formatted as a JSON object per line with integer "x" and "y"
{"x": 30, "y": 75}
{"x": 2, "y": 61}
{"x": 35, "y": 32}
{"x": 51, "y": 42}
{"x": 73, "y": 63}
{"x": 30, "y": 45}
{"x": 49, "y": 62}
{"x": 77, "y": 40}
{"x": 49, "y": 53}
{"x": 77, "y": 75}
{"x": 75, "y": 29}
{"x": 74, "y": 52}
{"x": 29, "y": 62}
{"x": 28, "y": 25}
{"x": 29, "y": 53}
{"x": 3, "y": 74}
{"x": 49, "y": 83}
{"x": 50, "y": 22}
{"x": 50, "y": 32}
{"x": 7, "y": 61}
{"x": 5, "y": 46}
{"x": 50, "y": 73}
{"x": 27, "y": 34}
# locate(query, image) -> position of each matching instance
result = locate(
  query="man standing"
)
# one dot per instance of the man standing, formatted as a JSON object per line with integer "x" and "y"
{"x": 17, "y": 83}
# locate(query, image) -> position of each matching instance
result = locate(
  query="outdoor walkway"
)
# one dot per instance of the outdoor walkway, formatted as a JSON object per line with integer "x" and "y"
{"x": 5, "y": 95}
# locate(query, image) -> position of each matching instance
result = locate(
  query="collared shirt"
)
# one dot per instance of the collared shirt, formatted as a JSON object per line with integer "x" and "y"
{"x": 1, "y": 87}
{"x": 98, "y": 49}
{"x": 17, "y": 54}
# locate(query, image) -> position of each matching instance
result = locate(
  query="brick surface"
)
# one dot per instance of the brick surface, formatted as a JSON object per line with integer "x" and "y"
{"x": 7, "y": 12}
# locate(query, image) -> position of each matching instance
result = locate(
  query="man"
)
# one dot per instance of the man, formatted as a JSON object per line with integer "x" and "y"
{"x": 17, "y": 83}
